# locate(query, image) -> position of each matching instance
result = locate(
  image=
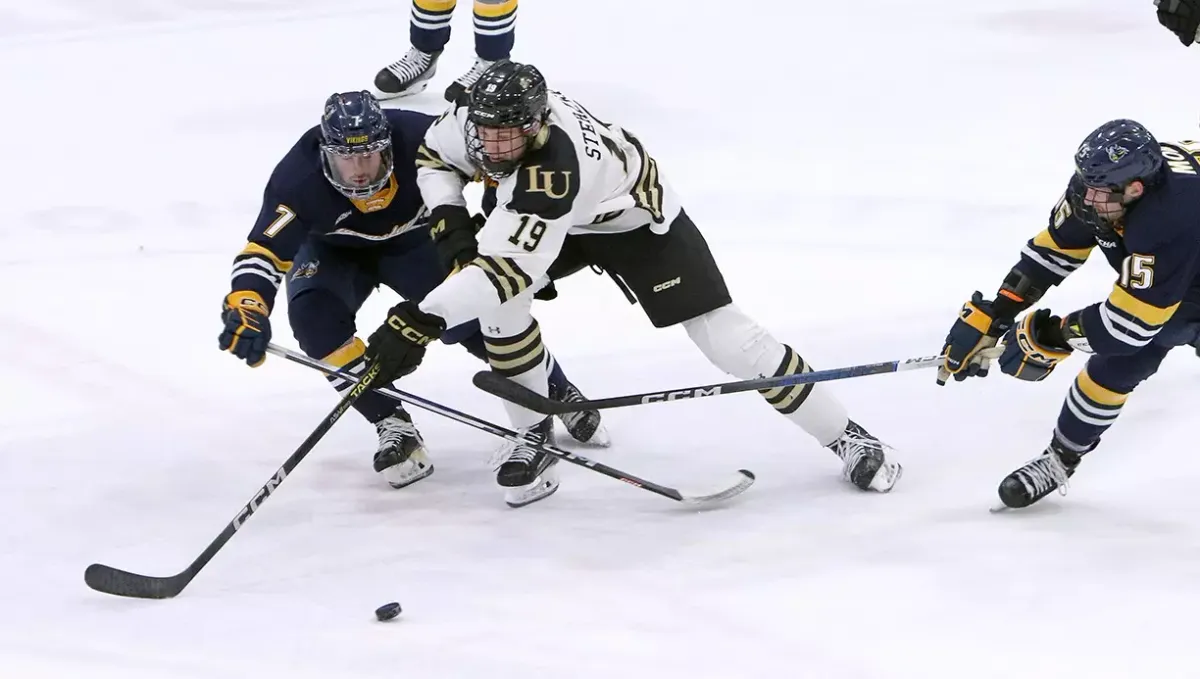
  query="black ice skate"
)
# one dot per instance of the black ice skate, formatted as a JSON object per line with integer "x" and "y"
{"x": 1040, "y": 477}
{"x": 408, "y": 76}
{"x": 528, "y": 474}
{"x": 467, "y": 80}
{"x": 401, "y": 457}
{"x": 584, "y": 426}
{"x": 864, "y": 462}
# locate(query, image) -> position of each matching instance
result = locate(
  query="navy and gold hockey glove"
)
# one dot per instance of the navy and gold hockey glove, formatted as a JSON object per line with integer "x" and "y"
{"x": 975, "y": 331}
{"x": 1034, "y": 347}
{"x": 1181, "y": 17}
{"x": 247, "y": 327}
{"x": 398, "y": 346}
{"x": 453, "y": 231}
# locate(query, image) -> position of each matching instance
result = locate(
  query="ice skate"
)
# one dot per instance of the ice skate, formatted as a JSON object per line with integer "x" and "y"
{"x": 467, "y": 80}
{"x": 1039, "y": 477}
{"x": 864, "y": 462}
{"x": 408, "y": 76}
{"x": 526, "y": 473}
{"x": 401, "y": 457}
{"x": 584, "y": 426}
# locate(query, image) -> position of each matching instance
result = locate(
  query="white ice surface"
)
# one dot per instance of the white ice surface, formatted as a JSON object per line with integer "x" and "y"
{"x": 858, "y": 168}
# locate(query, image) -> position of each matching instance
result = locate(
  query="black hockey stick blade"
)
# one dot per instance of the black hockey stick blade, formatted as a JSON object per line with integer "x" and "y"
{"x": 510, "y": 391}
{"x": 123, "y": 583}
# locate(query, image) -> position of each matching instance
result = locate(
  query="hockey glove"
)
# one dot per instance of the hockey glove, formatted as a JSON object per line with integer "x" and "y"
{"x": 399, "y": 344}
{"x": 453, "y": 232}
{"x": 973, "y": 332}
{"x": 1034, "y": 347}
{"x": 1181, "y": 17}
{"x": 247, "y": 327}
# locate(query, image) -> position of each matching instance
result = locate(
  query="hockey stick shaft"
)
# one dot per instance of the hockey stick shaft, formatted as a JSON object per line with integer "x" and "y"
{"x": 515, "y": 393}
{"x": 743, "y": 482}
{"x": 123, "y": 583}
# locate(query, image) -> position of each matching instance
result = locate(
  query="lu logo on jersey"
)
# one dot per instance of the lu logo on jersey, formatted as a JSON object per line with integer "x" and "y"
{"x": 543, "y": 181}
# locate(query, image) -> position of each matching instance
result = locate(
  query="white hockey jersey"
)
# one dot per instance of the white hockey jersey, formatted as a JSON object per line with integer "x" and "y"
{"x": 583, "y": 176}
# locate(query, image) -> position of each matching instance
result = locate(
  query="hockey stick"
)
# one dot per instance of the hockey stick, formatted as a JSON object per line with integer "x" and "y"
{"x": 510, "y": 391}
{"x": 743, "y": 480}
{"x": 123, "y": 583}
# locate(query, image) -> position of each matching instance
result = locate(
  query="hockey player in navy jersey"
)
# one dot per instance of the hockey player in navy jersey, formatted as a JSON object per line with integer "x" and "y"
{"x": 341, "y": 215}
{"x": 1138, "y": 200}
{"x": 573, "y": 191}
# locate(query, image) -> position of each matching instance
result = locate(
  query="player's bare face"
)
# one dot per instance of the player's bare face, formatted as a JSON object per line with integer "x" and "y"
{"x": 502, "y": 143}
{"x": 358, "y": 169}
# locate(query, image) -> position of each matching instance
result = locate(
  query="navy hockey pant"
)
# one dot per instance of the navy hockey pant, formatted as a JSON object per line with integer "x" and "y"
{"x": 1102, "y": 387}
{"x": 327, "y": 285}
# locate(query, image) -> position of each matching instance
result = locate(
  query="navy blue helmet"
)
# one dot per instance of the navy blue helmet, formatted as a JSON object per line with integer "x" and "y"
{"x": 1113, "y": 155}
{"x": 1116, "y": 153}
{"x": 511, "y": 97}
{"x": 356, "y": 144}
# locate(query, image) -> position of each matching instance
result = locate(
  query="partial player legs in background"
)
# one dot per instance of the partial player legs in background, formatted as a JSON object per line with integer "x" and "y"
{"x": 495, "y": 31}
{"x": 429, "y": 31}
{"x": 494, "y": 22}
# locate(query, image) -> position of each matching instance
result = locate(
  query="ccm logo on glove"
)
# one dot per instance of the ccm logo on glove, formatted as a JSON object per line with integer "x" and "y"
{"x": 408, "y": 332}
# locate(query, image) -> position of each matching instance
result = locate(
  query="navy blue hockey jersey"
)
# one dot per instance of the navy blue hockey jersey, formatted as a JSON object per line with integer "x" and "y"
{"x": 299, "y": 203}
{"x": 1155, "y": 249}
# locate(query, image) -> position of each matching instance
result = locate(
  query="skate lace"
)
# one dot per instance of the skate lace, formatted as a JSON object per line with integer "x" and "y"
{"x": 572, "y": 395}
{"x": 520, "y": 450}
{"x": 468, "y": 79}
{"x": 394, "y": 430}
{"x": 411, "y": 65}
{"x": 1044, "y": 473}
{"x": 853, "y": 447}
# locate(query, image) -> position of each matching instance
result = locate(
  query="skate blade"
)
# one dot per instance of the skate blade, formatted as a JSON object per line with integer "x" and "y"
{"x": 414, "y": 89}
{"x": 527, "y": 495}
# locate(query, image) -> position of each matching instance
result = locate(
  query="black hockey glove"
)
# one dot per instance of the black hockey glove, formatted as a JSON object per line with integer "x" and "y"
{"x": 973, "y": 332}
{"x": 1034, "y": 347}
{"x": 1181, "y": 17}
{"x": 399, "y": 344}
{"x": 247, "y": 327}
{"x": 453, "y": 231}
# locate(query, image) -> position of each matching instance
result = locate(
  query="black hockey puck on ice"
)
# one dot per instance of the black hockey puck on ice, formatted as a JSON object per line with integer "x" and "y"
{"x": 387, "y": 611}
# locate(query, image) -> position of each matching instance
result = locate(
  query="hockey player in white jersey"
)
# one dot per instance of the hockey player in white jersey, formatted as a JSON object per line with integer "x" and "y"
{"x": 572, "y": 191}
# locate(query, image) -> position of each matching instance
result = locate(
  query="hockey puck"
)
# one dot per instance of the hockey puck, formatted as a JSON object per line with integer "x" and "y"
{"x": 387, "y": 611}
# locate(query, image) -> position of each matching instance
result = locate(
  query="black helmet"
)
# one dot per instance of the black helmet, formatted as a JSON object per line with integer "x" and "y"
{"x": 507, "y": 95}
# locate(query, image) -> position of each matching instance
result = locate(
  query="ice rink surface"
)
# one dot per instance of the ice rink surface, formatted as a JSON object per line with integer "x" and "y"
{"x": 858, "y": 168}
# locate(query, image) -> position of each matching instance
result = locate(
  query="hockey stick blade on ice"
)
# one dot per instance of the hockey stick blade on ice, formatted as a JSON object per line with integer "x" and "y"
{"x": 123, "y": 583}
{"x": 512, "y": 392}
{"x": 736, "y": 486}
